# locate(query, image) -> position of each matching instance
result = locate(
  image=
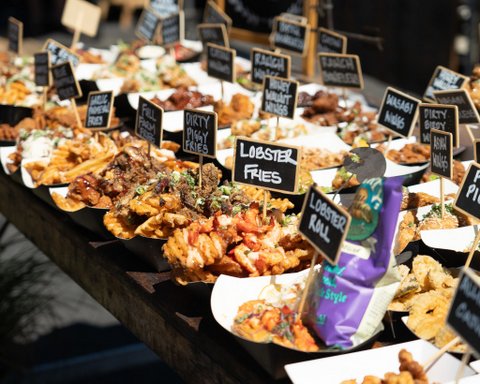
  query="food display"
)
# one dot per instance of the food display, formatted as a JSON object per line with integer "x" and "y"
{"x": 425, "y": 293}
{"x": 410, "y": 372}
{"x": 411, "y": 225}
{"x": 184, "y": 98}
{"x": 410, "y": 153}
{"x": 163, "y": 204}
{"x": 239, "y": 108}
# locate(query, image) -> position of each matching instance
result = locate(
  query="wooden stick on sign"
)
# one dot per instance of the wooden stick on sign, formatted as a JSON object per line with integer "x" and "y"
{"x": 474, "y": 248}
{"x": 277, "y": 129}
{"x": 149, "y": 148}
{"x": 344, "y": 94}
{"x": 388, "y": 144}
{"x": 172, "y": 53}
{"x": 200, "y": 166}
{"x": 221, "y": 87}
{"x": 307, "y": 284}
{"x": 77, "y": 115}
{"x": 442, "y": 198}
{"x": 465, "y": 359}
{"x": 433, "y": 359}
{"x": 45, "y": 90}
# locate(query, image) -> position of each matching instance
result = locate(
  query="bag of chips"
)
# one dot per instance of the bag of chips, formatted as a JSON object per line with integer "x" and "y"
{"x": 348, "y": 301}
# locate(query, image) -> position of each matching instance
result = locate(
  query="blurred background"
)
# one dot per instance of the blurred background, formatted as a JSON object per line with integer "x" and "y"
{"x": 51, "y": 331}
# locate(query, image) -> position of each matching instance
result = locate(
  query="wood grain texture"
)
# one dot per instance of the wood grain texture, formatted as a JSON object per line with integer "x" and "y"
{"x": 154, "y": 309}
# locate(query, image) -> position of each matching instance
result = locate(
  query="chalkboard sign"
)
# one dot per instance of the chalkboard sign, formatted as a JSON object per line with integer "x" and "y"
{"x": 290, "y": 36}
{"x": 324, "y": 224}
{"x": 65, "y": 81}
{"x": 147, "y": 26}
{"x": 166, "y": 7}
{"x": 200, "y": 132}
{"x": 60, "y": 54}
{"x": 279, "y": 96}
{"x": 99, "y": 109}
{"x": 266, "y": 165}
{"x": 476, "y": 149}
{"x": 149, "y": 120}
{"x": 443, "y": 79}
{"x": 438, "y": 116}
{"x": 171, "y": 29}
{"x": 213, "y": 33}
{"x": 468, "y": 196}
{"x": 441, "y": 153}
{"x": 268, "y": 63}
{"x": 221, "y": 62}
{"x": 464, "y": 313}
{"x": 257, "y": 16}
{"x": 292, "y": 17}
{"x": 398, "y": 112}
{"x": 331, "y": 42}
{"x": 213, "y": 14}
{"x": 340, "y": 70}
{"x": 15, "y": 35}
{"x": 467, "y": 112}
{"x": 42, "y": 69}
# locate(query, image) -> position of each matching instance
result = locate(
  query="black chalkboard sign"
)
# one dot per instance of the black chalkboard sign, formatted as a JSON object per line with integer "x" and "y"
{"x": 467, "y": 112}
{"x": 266, "y": 165}
{"x": 398, "y": 112}
{"x": 15, "y": 35}
{"x": 171, "y": 29}
{"x": 476, "y": 150}
{"x": 464, "y": 313}
{"x": 221, "y": 62}
{"x": 165, "y": 8}
{"x": 293, "y": 17}
{"x": 468, "y": 196}
{"x": 200, "y": 132}
{"x": 42, "y": 69}
{"x": 443, "y": 79}
{"x": 99, "y": 109}
{"x": 60, "y": 54}
{"x": 438, "y": 116}
{"x": 290, "y": 36}
{"x": 324, "y": 224}
{"x": 149, "y": 120}
{"x": 268, "y": 63}
{"x": 147, "y": 26}
{"x": 279, "y": 96}
{"x": 331, "y": 42}
{"x": 441, "y": 150}
{"x": 213, "y": 14}
{"x": 213, "y": 33}
{"x": 65, "y": 81}
{"x": 257, "y": 16}
{"x": 340, "y": 70}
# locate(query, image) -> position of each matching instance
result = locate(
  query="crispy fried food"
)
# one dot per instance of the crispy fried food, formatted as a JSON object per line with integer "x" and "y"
{"x": 406, "y": 232}
{"x": 240, "y": 107}
{"x": 411, "y": 372}
{"x": 411, "y": 153}
{"x": 257, "y": 248}
{"x": 67, "y": 205}
{"x": 412, "y": 200}
{"x": 118, "y": 226}
{"x": 428, "y": 314}
{"x": 318, "y": 158}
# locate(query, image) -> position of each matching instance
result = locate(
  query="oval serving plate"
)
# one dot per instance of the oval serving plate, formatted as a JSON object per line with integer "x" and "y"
{"x": 231, "y": 292}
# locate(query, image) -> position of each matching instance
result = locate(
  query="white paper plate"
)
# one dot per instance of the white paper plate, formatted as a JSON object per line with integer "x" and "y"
{"x": 150, "y": 52}
{"x": 433, "y": 187}
{"x": 457, "y": 239}
{"x": 467, "y": 380}
{"x": 377, "y": 362}
{"x": 86, "y": 71}
{"x": 325, "y": 177}
{"x": 113, "y": 84}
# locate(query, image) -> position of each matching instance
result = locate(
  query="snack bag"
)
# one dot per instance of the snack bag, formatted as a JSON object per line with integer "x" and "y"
{"x": 348, "y": 301}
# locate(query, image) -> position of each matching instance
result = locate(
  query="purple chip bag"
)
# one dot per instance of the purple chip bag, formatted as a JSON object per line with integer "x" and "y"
{"x": 348, "y": 301}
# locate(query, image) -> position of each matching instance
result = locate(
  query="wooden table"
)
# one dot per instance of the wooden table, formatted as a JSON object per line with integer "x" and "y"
{"x": 161, "y": 314}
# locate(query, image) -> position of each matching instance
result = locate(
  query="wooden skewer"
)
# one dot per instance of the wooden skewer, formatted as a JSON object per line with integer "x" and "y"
{"x": 465, "y": 359}
{"x": 442, "y": 198}
{"x": 77, "y": 115}
{"x": 307, "y": 284}
{"x": 431, "y": 362}
{"x": 474, "y": 248}
{"x": 265, "y": 197}
{"x": 200, "y": 162}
